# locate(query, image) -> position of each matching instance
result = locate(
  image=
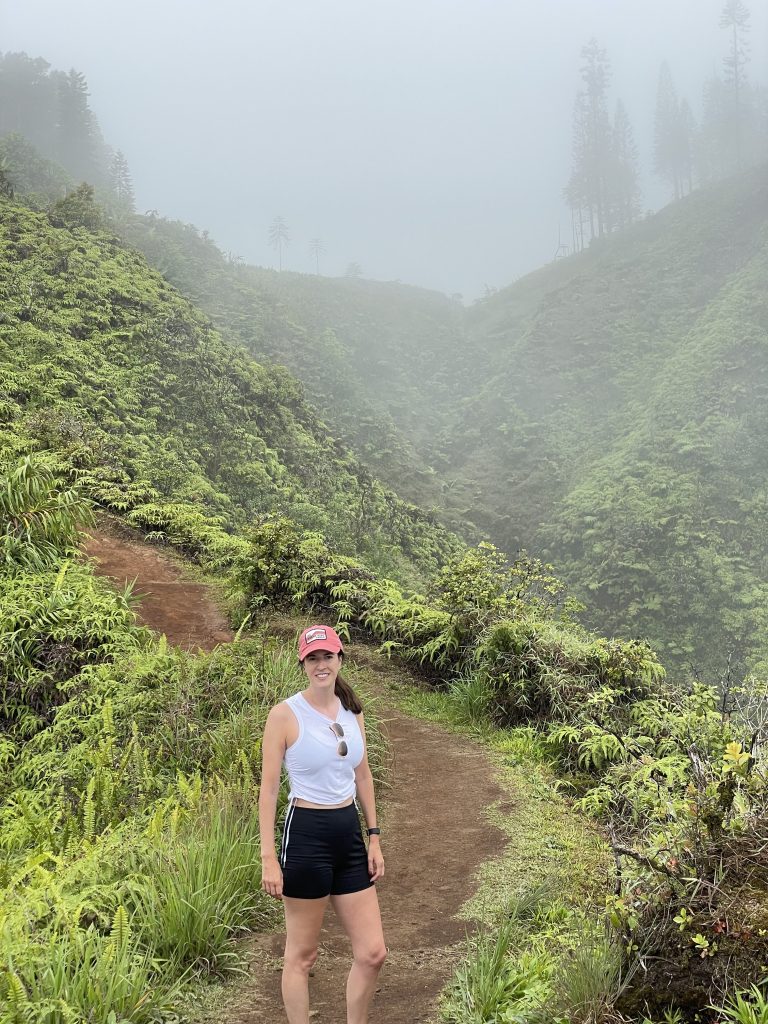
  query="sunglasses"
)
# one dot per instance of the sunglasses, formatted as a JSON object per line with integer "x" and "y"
{"x": 338, "y": 732}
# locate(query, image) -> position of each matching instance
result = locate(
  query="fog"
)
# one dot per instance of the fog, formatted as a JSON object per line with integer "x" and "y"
{"x": 428, "y": 141}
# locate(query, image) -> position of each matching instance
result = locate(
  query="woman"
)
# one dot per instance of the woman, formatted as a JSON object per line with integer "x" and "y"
{"x": 319, "y": 736}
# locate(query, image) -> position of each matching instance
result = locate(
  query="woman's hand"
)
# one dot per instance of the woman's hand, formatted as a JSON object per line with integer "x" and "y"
{"x": 375, "y": 859}
{"x": 272, "y": 878}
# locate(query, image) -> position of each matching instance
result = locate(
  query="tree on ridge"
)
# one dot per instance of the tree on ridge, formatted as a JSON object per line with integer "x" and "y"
{"x": 317, "y": 249}
{"x": 120, "y": 179}
{"x": 278, "y": 237}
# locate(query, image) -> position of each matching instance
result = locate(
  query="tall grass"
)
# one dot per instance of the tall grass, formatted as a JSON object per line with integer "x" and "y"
{"x": 84, "y": 977}
{"x": 495, "y": 982}
{"x": 743, "y": 1008}
{"x": 471, "y": 699}
{"x": 588, "y": 984}
{"x": 202, "y": 888}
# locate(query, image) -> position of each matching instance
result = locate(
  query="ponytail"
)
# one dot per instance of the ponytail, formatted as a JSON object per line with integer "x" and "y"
{"x": 349, "y": 699}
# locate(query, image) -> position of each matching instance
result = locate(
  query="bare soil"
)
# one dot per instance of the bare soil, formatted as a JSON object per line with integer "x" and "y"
{"x": 436, "y": 832}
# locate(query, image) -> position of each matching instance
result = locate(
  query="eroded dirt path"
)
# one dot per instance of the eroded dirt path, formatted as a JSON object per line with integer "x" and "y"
{"x": 436, "y": 833}
{"x": 170, "y": 604}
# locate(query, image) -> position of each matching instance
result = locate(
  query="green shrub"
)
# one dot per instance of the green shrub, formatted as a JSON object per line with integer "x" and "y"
{"x": 202, "y": 886}
{"x": 588, "y": 983}
{"x": 494, "y": 985}
{"x": 743, "y": 1008}
{"x": 40, "y": 515}
{"x": 84, "y": 977}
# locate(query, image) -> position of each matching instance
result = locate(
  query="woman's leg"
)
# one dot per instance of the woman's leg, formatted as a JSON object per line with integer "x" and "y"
{"x": 303, "y": 921}
{"x": 359, "y": 915}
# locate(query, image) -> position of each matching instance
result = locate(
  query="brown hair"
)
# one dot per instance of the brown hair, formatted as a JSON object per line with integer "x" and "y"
{"x": 349, "y": 699}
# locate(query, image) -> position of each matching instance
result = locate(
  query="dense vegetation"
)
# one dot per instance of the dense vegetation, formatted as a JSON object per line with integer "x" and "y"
{"x": 676, "y": 775}
{"x": 129, "y": 852}
{"x": 605, "y": 412}
{"x": 380, "y": 362}
{"x": 105, "y": 364}
{"x": 608, "y": 410}
{"x": 589, "y": 413}
{"x": 621, "y": 426}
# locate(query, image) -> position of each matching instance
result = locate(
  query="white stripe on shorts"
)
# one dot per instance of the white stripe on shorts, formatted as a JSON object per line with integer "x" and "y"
{"x": 286, "y": 833}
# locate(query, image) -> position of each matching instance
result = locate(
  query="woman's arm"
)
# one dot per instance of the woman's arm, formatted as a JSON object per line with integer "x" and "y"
{"x": 272, "y": 752}
{"x": 366, "y": 799}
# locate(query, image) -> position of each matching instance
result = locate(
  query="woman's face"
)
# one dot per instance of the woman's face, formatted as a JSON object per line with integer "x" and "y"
{"x": 321, "y": 668}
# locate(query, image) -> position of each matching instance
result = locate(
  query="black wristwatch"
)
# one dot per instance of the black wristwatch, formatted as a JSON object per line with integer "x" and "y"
{"x": 374, "y": 831}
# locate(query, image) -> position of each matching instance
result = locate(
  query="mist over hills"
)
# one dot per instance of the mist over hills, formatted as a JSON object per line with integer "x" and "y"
{"x": 559, "y": 415}
{"x": 604, "y": 411}
{"x": 104, "y": 364}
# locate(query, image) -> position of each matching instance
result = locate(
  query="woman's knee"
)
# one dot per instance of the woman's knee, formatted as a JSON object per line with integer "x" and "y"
{"x": 372, "y": 958}
{"x": 300, "y": 958}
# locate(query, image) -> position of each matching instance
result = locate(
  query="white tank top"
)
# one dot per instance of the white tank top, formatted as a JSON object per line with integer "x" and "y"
{"x": 316, "y": 771}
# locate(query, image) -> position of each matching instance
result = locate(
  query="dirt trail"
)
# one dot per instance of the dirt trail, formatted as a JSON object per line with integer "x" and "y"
{"x": 436, "y": 833}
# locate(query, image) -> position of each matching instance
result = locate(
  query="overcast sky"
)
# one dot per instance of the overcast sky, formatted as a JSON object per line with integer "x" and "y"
{"x": 427, "y": 140}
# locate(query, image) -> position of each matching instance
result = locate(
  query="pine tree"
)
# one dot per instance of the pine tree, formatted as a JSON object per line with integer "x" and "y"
{"x": 674, "y": 128}
{"x": 735, "y": 18}
{"x": 596, "y": 74}
{"x": 317, "y": 249}
{"x": 76, "y": 135}
{"x": 666, "y": 124}
{"x": 576, "y": 190}
{"x": 122, "y": 185}
{"x": 623, "y": 181}
{"x": 603, "y": 190}
{"x": 714, "y": 159}
{"x": 27, "y": 100}
{"x": 686, "y": 145}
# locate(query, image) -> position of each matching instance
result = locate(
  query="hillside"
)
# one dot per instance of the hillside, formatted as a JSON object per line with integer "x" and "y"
{"x": 620, "y": 426}
{"x": 596, "y": 412}
{"x": 549, "y": 415}
{"x": 104, "y": 363}
{"x": 381, "y": 362}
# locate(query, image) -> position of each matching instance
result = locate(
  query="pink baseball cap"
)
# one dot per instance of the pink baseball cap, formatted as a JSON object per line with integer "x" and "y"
{"x": 319, "y": 638}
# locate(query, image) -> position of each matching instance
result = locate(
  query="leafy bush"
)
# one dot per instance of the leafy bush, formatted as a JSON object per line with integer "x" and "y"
{"x": 40, "y": 515}
{"x": 85, "y": 977}
{"x": 530, "y": 666}
{"x": 492, "y": 985}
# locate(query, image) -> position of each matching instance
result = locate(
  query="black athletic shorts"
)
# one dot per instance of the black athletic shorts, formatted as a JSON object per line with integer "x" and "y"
{"x": 323, "y": 853}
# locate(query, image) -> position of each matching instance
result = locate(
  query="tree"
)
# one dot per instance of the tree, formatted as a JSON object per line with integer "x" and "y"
{"x": 120, "y": 178}
{"x": 687, "y": 136}
{"x": 735, "y": 17}
{"x": 623, "y": 180}
{"x": 6, "y": 184}
{"x": 674, "y": 130}
{"x": 75, "y": 128}
{"x": 665, "y": 130}
{"x": 278, "y": 237}
{"x": 27, "y": 100}
{"x": 603, "y": 190}
{"x": 317, "y": 249}
{"x": 78, "y": 209}
{"x": 353, "y": 270}
{"x": 587, "y": 190}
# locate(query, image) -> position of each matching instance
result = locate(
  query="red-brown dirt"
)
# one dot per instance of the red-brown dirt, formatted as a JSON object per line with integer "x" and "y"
{"x": 436, "y": 832}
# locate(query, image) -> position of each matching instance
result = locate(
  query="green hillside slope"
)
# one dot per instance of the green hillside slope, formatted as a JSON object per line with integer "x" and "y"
{"x": 381, "y": 362}
{"x": 620, "y": 426}
{"x": 105, "y": 363}
{"x": 519, "y": 418}
{"x": 668, "y": 530}
{"x": 573, "y": 353}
